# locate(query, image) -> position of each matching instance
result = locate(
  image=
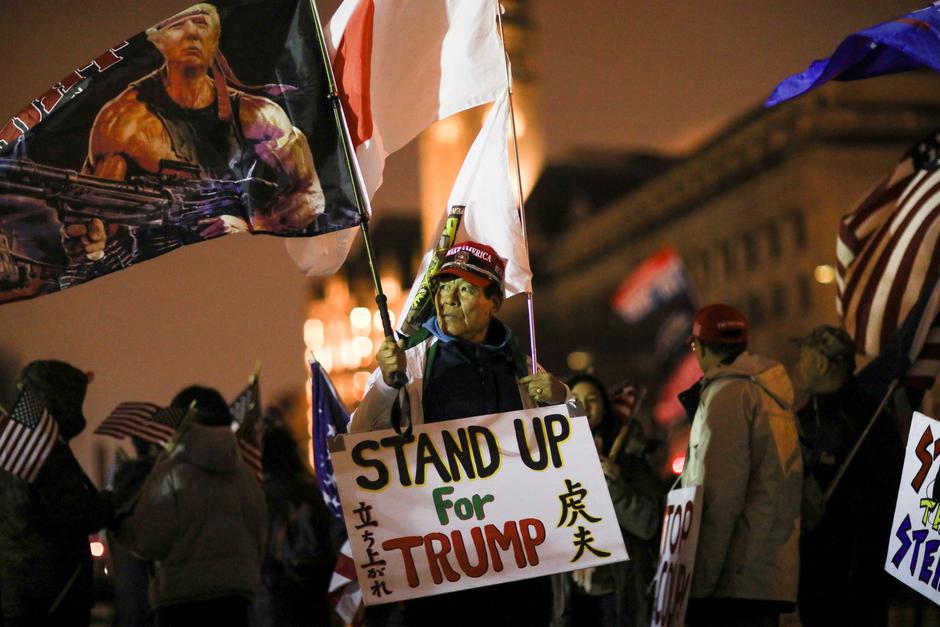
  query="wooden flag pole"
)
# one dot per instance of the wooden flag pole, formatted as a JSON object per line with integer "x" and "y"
{"x": 515, "y": 151}
{"x": 623, "y": 435}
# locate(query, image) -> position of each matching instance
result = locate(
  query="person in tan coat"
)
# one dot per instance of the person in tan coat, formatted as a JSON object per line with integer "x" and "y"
{"x": 744, "y": 451}
{"x": 202, "y": 519}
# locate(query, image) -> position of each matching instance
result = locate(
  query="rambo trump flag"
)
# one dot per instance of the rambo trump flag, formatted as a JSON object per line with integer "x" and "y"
{"x": 203, "y": 125}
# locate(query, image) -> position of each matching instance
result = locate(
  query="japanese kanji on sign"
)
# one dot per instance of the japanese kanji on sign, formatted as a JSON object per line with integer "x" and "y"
{"x": 475, "y": 502}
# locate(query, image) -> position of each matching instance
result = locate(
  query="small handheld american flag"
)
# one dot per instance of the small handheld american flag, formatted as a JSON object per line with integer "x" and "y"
{"x": 249, "y": 428}
{"x": 27, "y": 436}
{"x": 146, "y": 421}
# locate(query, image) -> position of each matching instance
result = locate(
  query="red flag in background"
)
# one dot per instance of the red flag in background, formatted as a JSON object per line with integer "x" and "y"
{"x": 400, "y": 66}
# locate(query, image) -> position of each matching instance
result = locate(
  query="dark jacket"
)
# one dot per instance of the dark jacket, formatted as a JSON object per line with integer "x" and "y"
{"x": 201, "y": 517}
{"x": 638, "y": 502}
{"x": 44, "y": 529}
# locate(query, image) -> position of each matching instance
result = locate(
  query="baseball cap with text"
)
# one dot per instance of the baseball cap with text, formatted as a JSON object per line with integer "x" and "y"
{"x": 475, "y": 262}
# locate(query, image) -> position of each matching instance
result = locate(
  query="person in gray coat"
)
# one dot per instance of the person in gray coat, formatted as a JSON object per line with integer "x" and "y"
{"x": 744, "y": 451}
{"x": 202, "y": 519}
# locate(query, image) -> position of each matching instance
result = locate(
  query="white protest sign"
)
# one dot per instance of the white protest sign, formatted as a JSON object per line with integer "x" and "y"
{"x": 474, "y": 502}
{"x": 673, "y": 579}
{"x": 913, "y": 556}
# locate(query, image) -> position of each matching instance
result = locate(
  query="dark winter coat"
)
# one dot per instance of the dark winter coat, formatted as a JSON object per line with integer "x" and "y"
{"x": 202, "y": 518}
{"x": 44, "y": 529}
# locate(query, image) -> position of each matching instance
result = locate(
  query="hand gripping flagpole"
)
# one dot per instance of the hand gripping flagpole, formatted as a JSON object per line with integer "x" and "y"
{"x": 340, "y": 118}
{"x": 515, "y": 151}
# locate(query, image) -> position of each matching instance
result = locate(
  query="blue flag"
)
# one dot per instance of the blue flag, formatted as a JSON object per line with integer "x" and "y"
{"x": 329, "y": 419}
{"x": 904, "y": 43}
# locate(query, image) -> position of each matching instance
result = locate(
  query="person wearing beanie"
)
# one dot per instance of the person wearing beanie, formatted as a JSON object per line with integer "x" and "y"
{"x": 744, "y": 452}
{"x": 45, "y": 561}
{"x": 463, "y": 362}
{"x": 201, "y": 518}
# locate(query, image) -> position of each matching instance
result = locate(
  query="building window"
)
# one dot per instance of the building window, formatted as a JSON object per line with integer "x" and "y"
{"x": 751, "y": 250}
{"x": 755, "y": 310}
{"x": 778, "y": 301}
{"x": 798, "y": 227}
{"x": 773, "y": 241}
{"x": 805, "y": 291}
{"x": 729, "y": 267}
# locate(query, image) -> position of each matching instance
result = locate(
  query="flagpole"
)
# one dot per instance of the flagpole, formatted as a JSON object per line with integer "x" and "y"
{"x": 515, "y": 151}
{"x": 858, "y": 444}
{"x": 380, "y": 299}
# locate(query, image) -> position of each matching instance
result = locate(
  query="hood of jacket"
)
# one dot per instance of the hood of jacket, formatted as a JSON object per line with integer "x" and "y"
{"x": 211, "y": 449}
{"x": 767, "y": 373}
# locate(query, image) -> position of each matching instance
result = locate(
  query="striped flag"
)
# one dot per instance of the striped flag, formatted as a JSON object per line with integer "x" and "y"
{"x": 887, "y": 249}
{"x": 329, "y": 419}
{"x": 400, "y": 66}
{"x": 249, "y": 428}
{"x": 925, "y": 347}
{"x": 146, "y": 421}
{"x": 27, "y": 436}
{"x": 344, "y": 592}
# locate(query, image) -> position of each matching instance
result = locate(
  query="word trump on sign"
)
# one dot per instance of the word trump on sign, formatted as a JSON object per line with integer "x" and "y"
{"x": 914, "y": 546}
{"x": 474, "y": 502}
{"x": 673, "y": 580}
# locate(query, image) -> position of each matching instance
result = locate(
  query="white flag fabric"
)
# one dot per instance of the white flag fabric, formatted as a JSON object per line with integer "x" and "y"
{"x": 491, "y": 216}
{"x": 401, "y": 65}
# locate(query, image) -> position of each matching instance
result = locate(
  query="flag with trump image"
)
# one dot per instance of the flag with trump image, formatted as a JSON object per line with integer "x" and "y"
{"x": 201, "y": 126}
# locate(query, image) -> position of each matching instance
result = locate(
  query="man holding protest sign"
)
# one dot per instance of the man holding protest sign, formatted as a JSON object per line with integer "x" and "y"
{"x": 744, "y": 452}
{"x": 464, "y": 362}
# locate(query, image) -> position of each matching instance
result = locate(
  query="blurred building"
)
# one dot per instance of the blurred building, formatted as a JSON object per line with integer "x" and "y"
{"x": 753, "y": 212}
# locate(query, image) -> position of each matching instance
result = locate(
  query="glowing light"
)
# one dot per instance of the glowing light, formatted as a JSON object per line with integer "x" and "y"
{"x": 349, "y": 355}
{"x": 447, "y": 131}
{"x": 678, "y": 464}
{"x": 313, "y": 334}
{"x": 391, "y": 287}
{"x": 360, "y": 379}
{"x": 579, "y": 360}
{"x": 360, "y": 317}
{"x": 97, "y": 548}
{"x": 363, "y": 347}
{"x": 825, "y": 274}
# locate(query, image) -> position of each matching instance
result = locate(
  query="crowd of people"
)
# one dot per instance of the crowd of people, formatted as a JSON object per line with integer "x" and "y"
{"x": 196, "y": 539}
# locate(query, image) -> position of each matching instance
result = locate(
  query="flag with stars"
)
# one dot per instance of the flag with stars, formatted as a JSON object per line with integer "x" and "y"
{"x": 27, "y": 436}
{"x": 329, "y": 419}
{"x": 246, "y": 420}
{"x": 908, "y": 42}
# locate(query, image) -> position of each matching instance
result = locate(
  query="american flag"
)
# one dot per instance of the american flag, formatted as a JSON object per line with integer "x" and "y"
{"x": 246, "y": 414}
{"x": 146, "y": 421}
{"x": 27, "y": 436}
{"x": 329, "y": 419}
{"x": 344, "y": 592}
{"x": 888, "y": 258}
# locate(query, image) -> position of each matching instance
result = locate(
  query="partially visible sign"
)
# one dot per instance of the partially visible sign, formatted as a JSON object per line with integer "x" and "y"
{"x": 475, "y": 502}
{"x": 677, "y": 556}
{"x": 914, "y": 546}
{"x": 657, "y": 281}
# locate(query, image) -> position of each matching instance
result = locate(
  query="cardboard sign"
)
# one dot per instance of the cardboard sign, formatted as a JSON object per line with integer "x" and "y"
{"x": 914, "y": 547}
{"x": 475, "y": 502}
{"x": 677, "y": 556}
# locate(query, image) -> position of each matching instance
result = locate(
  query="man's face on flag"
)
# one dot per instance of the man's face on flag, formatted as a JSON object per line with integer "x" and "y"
{"x": 190, "y": 38}
{"x": 464, "y": 310}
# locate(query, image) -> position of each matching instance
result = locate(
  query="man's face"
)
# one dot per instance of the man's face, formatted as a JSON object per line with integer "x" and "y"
{"x": 464, "y": 311}
{"x": 190, "y": 41}
{"x": 809, "y": 368}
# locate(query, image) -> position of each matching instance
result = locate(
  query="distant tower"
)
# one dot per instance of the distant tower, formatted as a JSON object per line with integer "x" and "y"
{"x": 442, "y": 147}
